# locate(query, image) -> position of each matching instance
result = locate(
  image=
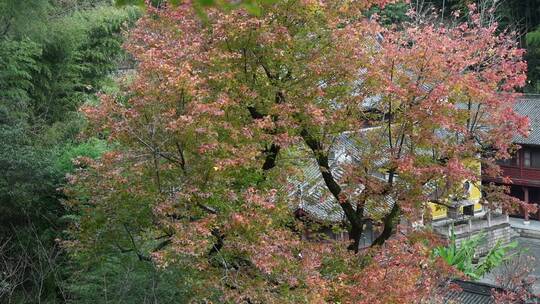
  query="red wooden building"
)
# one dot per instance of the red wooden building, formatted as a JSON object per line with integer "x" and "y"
{"x": 524, "y": 168}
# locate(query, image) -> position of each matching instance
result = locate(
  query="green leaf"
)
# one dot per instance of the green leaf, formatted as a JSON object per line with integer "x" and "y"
{"x": 206, "y": 2}
{"x": 130, "y": 2}
{"x": 253, "y": 8}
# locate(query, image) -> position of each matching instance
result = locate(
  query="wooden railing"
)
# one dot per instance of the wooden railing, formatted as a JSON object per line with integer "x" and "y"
{"x": 522, "y": 175}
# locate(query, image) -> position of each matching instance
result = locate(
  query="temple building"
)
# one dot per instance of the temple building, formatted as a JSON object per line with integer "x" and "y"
{"x": 310, "y": 199}
{"x": 524, "y": 168}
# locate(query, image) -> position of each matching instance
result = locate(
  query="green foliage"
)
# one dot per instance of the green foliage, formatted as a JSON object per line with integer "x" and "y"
{"x": 78, "y": 55}
{"x": 18, "y": 62}
{"x": 101, "y": 51}
{"x": 463, "y": 257}
{"x": 54, "y": 56}
{"x": 391, "y": 14}
{"x": 123, "y": 278}
{"x": 332, "y": 267}
{"x": 252, "y": 6}
{"x": 92, "y": 148}
{"x": 533, "y": 60}
{"x": 448, "y": 6}
{"x": 28, "y": 180}
{"x": 42, "y": 81}
{"x": 19, "y": 19}
{"x": 130, "y": 2}
{"x": 524, "y": 17}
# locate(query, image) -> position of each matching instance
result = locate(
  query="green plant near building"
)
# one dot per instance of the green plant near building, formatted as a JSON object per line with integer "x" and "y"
{"x": 463, "y": 256}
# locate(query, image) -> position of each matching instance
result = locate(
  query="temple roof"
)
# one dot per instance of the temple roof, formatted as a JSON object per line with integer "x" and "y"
{"x": 310, "y": 194}
{"x": 470, "y": 293}
{"x": 529, "y": 105}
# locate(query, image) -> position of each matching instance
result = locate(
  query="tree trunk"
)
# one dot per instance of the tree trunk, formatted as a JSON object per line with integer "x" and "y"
{"x": 389, "y": 224}
{"x": 271, "y": 156}
{"x": 353, "y": 216}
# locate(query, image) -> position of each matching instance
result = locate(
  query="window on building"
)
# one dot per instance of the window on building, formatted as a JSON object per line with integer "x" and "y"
{"x": 513, "y": 161}
{"x": 531, "y": 158}
{"x": 468, "y": 210}
{"x": 466, "y": 188}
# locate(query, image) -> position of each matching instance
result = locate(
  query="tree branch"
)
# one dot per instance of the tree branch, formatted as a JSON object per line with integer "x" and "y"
{"x": 353, "y": 216}
{"x": 139, "y": 254}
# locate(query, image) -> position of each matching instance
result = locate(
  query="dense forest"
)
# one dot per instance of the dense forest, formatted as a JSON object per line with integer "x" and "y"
{"x": 64, "y": 241}
{"x": 54, "y": 57}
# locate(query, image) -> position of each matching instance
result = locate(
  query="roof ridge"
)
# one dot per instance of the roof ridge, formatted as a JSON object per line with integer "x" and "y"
{"x": 479, "y": 288}
{"x": 530, "y": 96}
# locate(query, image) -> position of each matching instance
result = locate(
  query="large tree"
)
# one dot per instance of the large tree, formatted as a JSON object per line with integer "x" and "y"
{"x": 225, "y": 110}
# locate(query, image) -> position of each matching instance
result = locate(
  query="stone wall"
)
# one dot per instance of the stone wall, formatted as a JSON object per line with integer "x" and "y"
{"x": 527, "y": 233}
{"x": 494, "y": 227}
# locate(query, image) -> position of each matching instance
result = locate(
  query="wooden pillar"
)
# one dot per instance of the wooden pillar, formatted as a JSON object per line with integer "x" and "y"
{"x": 526, "y": 200}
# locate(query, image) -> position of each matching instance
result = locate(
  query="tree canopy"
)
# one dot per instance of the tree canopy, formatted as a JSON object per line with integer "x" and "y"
{"x": 223, "y": 111}
{"x": 165, "y": 151}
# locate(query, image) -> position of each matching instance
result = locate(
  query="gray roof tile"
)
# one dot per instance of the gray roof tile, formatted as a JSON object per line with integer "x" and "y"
{"x": 310, "y": 193}
{"x": 470, "y": 293}
{"x": 529, "y": 105}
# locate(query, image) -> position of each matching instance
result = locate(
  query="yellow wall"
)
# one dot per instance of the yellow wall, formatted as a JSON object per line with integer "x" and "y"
{"x": 439, "y": 212}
